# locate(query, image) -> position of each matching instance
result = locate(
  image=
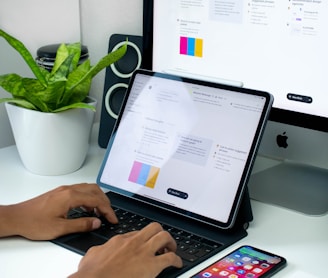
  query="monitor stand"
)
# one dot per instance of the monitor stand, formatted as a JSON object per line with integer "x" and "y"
{"x": 298, "y": 187}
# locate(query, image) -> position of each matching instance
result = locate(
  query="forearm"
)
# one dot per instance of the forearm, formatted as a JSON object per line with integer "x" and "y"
{"x": 9, "y": 221}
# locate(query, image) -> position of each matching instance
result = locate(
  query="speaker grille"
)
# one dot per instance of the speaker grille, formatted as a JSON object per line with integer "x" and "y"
{"x": 116, "y": 82}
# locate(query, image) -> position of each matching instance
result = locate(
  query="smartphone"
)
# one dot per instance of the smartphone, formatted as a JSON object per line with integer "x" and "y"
{"x": 244, "y": 262}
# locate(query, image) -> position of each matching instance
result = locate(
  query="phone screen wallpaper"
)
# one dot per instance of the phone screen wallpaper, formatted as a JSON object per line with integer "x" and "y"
{"x": 244, "y": 262}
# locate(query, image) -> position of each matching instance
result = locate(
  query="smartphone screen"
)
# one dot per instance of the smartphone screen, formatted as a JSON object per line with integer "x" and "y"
{"x": 246, "y": 261}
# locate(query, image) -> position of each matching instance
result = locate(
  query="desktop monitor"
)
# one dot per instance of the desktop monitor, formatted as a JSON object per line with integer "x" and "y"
{"x": 276, "y": 46}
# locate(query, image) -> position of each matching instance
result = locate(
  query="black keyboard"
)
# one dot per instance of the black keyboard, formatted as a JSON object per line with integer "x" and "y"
{"x": 190, "y": 247}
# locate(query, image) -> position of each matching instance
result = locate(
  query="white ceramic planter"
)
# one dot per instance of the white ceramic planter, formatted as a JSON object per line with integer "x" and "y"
{"x": 51, "y": 143}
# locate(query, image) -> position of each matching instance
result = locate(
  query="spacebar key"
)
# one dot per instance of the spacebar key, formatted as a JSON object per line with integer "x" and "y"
{"x": 85, "y": 241}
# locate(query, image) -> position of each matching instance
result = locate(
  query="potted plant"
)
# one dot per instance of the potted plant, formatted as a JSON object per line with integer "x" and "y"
{"x": 51, "y": 115}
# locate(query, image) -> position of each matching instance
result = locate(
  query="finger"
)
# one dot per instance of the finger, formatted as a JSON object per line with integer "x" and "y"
{"x": 123, "y": 236}
{"x": 74, "y": 192}
{"x": 104, "y": 202}
{"x": 86, "y": 187}
{"x": 90, "y": 188}
{"x": 169, "y": 259}
{"x": 149, "y": 231}
{"x": 162, "y": 241}
{"x": 84, "y": 224}
{"x": 129, "y": 234}
{"x": 83, "y": 199}
{"x": 108, "y": 213}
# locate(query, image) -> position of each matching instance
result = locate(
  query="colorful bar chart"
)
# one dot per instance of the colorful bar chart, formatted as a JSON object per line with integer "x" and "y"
{"x": 144, "y": 174}
{"x": 191, "y": 46}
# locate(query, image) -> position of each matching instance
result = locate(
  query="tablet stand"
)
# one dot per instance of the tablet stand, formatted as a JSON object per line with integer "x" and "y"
{"x": 245, "y": 214}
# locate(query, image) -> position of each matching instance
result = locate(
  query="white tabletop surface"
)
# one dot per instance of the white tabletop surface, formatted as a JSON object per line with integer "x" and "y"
{"x": 301, "y": 239}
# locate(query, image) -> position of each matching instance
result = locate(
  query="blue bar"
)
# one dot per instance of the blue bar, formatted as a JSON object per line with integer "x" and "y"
{"x": 143, "y": 175}
{"x": 191, "y": 47}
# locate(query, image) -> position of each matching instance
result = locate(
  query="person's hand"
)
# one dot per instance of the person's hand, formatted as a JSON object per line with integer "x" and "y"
{"x": 143, "y": 253}
{"x": 44, "y": 217}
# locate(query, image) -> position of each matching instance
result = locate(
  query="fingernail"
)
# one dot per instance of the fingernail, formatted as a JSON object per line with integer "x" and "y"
{"x": 96, "y": 223}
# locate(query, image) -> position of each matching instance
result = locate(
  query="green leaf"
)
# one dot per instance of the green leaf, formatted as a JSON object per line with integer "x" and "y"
{"x": 12, "y": 83}
{"x": 63, "y": 52}
{"x": 75, "y": 105}
{"x": 46, "y": 99}
{"x": 63, "y": 70}
{"x": 26, "y": 55}
{"x": 75, "y": 50}
{"x": 20, "y": 102}
{"x": 65, "y": 87}
{"x": 103, "y": 63}
{"x": 79, "y": 92}
{"x": 19, "y": 88}
{"x": 108, "y": 60}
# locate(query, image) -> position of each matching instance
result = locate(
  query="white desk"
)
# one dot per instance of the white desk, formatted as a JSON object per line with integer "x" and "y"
{"x": 303, "y": 240}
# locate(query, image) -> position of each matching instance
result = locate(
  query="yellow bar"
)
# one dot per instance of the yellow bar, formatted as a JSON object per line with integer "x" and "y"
{"x": 199, "y": 48}
{"x": 152, "y": 177}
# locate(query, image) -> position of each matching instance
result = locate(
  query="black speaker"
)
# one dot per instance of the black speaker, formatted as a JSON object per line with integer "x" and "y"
{"x": 116, "y": 82}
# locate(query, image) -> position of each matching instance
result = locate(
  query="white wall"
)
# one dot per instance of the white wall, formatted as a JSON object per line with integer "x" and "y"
{"x": 41, "y": 22}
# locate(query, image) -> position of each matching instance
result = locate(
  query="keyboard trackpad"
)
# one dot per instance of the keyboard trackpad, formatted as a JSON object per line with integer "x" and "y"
{"x": 85, "y": 241}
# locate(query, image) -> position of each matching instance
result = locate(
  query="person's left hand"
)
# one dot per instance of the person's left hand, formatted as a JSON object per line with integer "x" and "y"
{"x": 44, "y": 217}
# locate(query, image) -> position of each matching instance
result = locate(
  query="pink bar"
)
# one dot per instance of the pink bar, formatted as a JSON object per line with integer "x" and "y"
{"x": 135, "y": 171}
{"x": 183, "y": 45}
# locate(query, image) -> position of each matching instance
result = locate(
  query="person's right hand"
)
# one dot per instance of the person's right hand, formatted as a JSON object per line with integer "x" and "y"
{"x": 139, "y": 254}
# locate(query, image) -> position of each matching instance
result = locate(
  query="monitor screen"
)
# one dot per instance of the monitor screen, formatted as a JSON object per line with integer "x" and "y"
{"x": 275, "y": 46}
